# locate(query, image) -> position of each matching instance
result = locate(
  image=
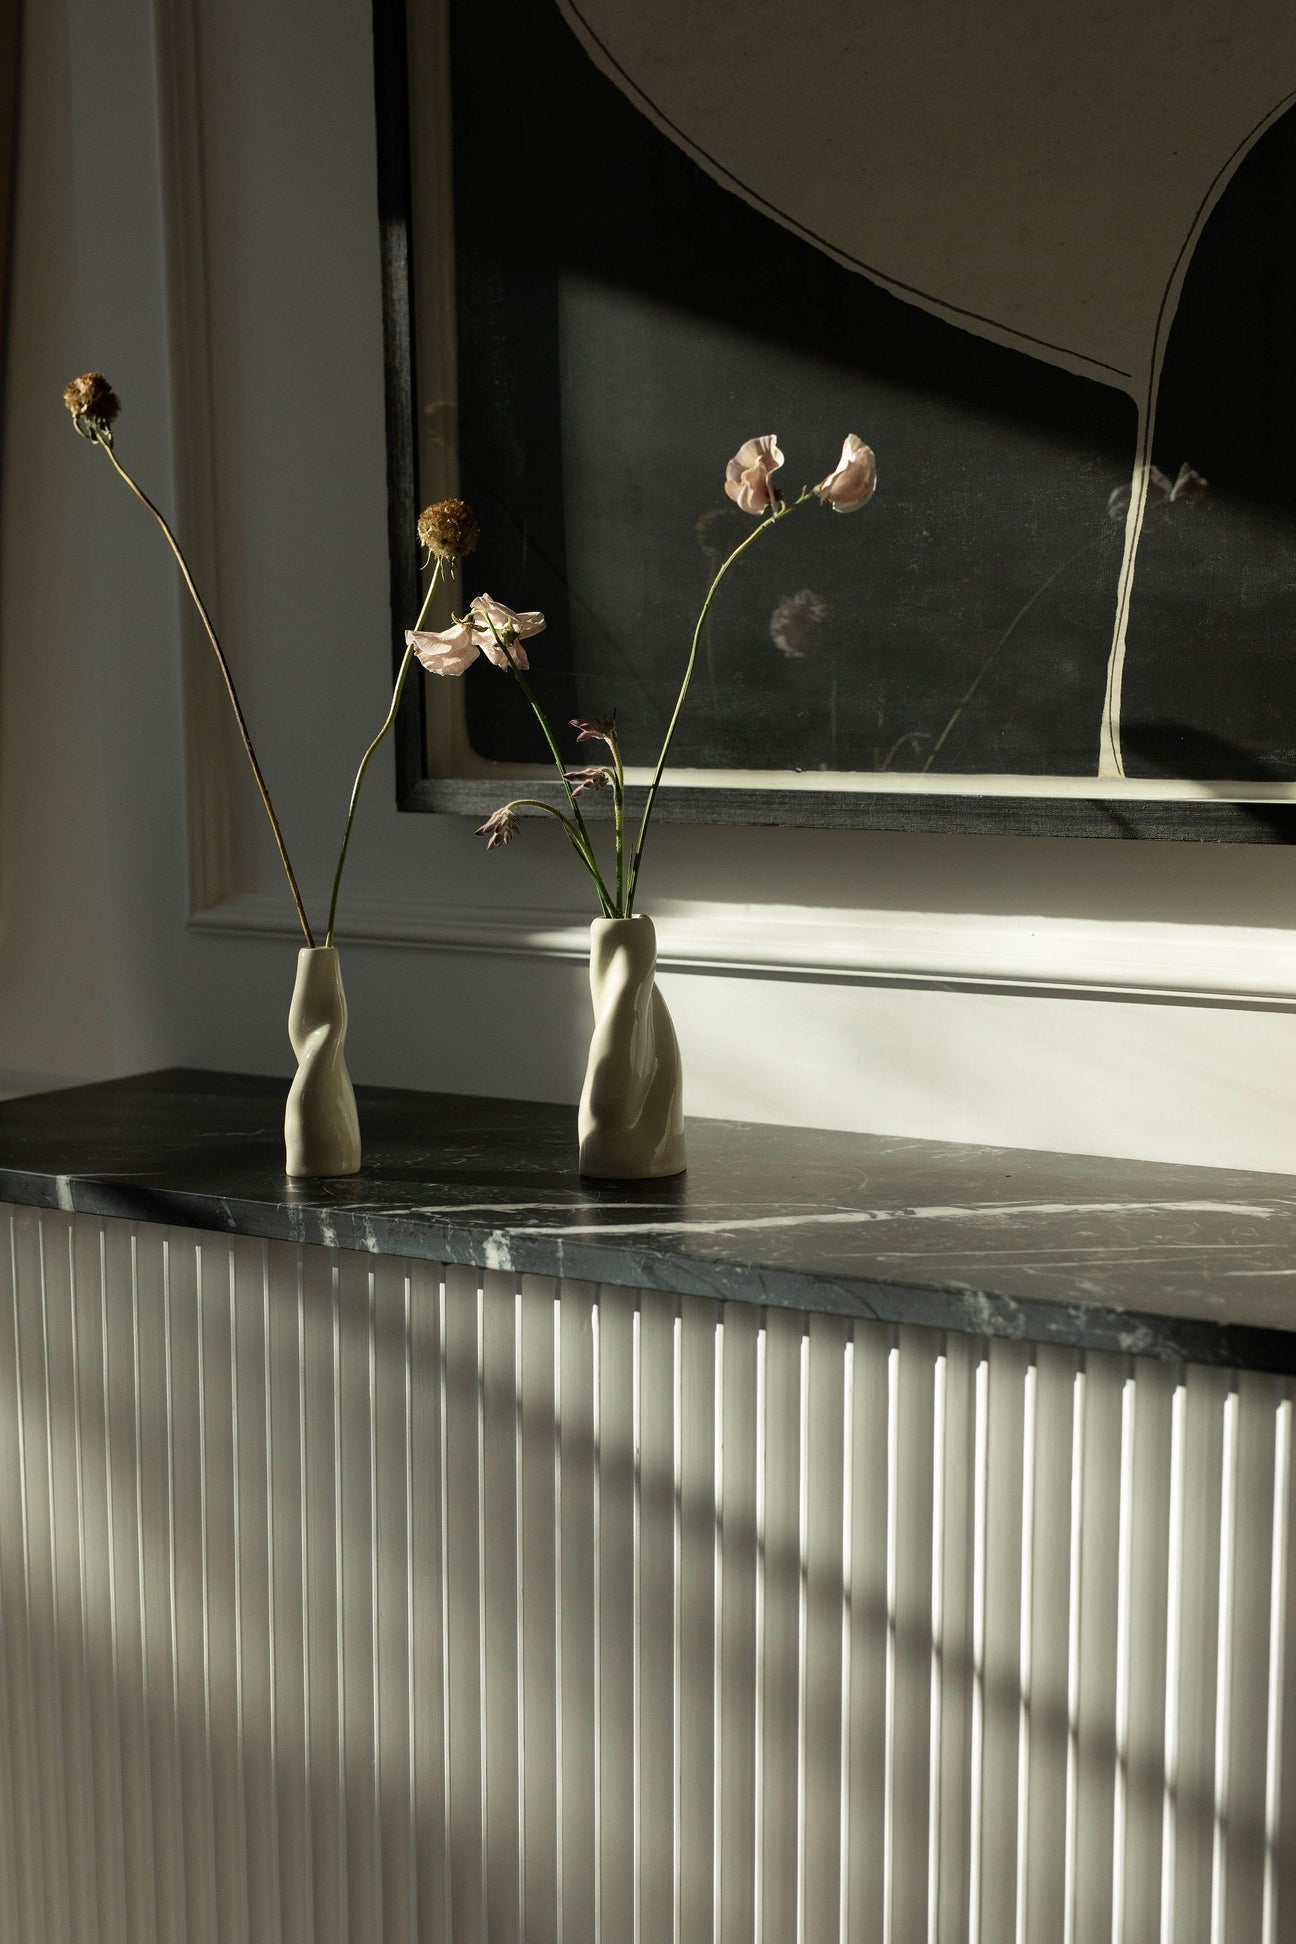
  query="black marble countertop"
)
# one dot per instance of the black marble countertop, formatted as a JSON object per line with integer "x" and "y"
{"x": 1187, "y": 1263}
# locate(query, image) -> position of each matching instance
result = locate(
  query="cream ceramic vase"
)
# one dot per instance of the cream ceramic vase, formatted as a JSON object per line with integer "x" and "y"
{"x": 631, "y": 1112}
{"x": 321, "y": 1131}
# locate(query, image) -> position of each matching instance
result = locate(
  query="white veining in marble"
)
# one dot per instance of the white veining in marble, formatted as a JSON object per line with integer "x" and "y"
{"x": 496, "y": 1252}
{"x": 1058, "y": 1248}
{"x": 851, "y": 1217}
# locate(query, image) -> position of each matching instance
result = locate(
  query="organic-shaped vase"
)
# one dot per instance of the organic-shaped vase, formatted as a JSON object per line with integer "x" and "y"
{"x": 321, "y": 1132}
{"x": 631, "y": 1114}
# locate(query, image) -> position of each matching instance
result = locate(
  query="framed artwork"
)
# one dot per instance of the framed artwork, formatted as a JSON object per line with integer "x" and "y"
{"x": 1048, "y": 277}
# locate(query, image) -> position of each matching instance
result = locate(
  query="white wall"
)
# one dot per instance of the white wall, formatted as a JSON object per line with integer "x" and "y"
{"x": 1118, "y": 997}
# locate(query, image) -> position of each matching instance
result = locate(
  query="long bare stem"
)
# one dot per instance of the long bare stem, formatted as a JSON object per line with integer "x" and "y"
{"x": 106, "y": 442}
{"x": 618, "y": 792}
{"x": 577, "y": 842}
{"x": 364, "y": 760}
{"x": 605, "y": 897}
{"x": 766, "y": 526}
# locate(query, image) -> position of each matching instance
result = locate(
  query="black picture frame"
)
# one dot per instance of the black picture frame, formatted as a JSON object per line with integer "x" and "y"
{"x": 1155, "y": 817}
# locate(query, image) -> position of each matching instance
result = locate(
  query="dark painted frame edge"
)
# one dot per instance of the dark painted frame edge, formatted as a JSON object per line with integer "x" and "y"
{"x": 395, "y": 212}
{"x": 1185, "y": 820}
{"x": 939, "y": 815}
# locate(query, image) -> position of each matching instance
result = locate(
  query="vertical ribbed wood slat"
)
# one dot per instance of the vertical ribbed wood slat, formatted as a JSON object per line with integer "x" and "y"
{"x": 350, "y": 1598}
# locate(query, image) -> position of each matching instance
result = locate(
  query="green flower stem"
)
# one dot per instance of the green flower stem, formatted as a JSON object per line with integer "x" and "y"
{"x": 591, "y": 861}
{"x": 540, "y": 716}
{"x": 767, "y": 524}
{"x": 1002, "y": 643}
{"x": 364, "y": 760}
{"x": 104, "y": 438}
{"x": 618, "y": 795}
{"x": 579, "y": 844}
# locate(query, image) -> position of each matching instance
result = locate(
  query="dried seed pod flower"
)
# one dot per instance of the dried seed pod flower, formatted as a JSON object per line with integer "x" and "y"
{"x": 582, "y": 780}
{"x": 501, "y": 827}
{"x": 91, "y": 397}
{"x": 595, "y": 729}
{"x": 449, "y": 529}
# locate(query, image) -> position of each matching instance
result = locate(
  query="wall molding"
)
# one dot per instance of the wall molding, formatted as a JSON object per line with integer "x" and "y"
{"x": 1243, "y": 966}
{"x": 211, "y": 747}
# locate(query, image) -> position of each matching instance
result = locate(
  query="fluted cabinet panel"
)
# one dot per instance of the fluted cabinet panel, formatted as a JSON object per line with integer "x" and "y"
{"x": 353, "y": 1599}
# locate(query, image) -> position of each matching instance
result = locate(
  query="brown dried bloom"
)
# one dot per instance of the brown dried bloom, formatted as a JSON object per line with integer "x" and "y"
{"x": 91, "y": 397}
{"x": 449, "y": 529}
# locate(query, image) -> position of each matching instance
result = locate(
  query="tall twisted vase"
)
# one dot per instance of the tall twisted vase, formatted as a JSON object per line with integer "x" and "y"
{"x": 321, "y": 1131}
{"x": 631, "y": 1111}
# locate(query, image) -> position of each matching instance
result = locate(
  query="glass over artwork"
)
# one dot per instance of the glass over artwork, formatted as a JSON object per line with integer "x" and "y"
{"x": 624, "y": 319}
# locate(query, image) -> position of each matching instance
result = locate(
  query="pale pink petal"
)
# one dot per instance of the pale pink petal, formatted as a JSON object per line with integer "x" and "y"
{"x": 748, "y": 479}
{"x": 444, "y": 654}
{"x": 516, "y": 656}
{"x": 853, "y": 481}
{"x": 486, "y": 609}
{"x": 496, "y": 627}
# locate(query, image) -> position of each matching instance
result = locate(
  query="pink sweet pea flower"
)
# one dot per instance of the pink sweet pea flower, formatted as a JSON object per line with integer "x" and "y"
{"x": 444, "y": 654}
{"x": 852, "y": 484}
{"x": 487, "y": 625}
{"x": 747, "y": 476}
{"x": 493, "y": 623}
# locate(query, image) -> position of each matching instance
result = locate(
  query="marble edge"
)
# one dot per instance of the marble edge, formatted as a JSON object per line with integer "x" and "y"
{"x": 963, "y": 1308}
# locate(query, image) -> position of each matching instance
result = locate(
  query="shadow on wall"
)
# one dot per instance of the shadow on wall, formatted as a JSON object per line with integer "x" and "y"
{"x": 1168, "y": 748}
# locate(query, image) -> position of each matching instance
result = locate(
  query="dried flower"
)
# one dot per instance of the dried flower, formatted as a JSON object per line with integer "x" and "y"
{"x": 796, "y": 621}
{"x": 494, "y": 624}
{"x": 596, "y": 729}
{"x": 486, "y": 625}
{"x": 447, "y": 653}
{"x": 91, "y": 397}
{"x": 1187, "y": 488}
{"x": 853, "y": 481}
{"x": 501, "y": 827}
{"x": 582, "y": 780}
{"x": 747, "y": 476}
{"x": 490, "y": 628}
{"x": 449, "y": 529}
